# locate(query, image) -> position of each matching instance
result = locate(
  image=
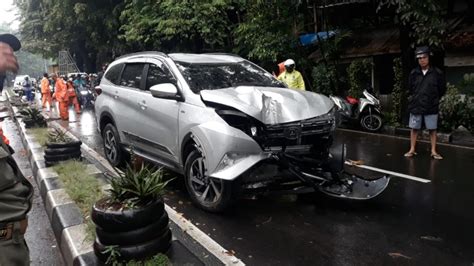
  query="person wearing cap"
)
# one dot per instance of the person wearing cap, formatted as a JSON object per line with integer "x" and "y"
{"x": 46, "y": 92}
{"x": 291, "y": 77}
{"x": 16, "y": 192}
{"x": 61, "y": 95}
{"x": 426, "y": 85}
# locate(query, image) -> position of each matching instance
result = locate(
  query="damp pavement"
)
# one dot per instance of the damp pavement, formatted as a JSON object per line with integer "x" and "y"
{"x": 39, "y": 235}
{"x": 410, "y": 223}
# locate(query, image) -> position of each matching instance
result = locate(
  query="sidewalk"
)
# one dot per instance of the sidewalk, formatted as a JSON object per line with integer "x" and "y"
{"x": 190, "y": 246}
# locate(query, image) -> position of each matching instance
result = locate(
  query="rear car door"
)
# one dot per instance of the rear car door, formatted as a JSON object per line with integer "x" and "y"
{"x": 126, "y": 98}
{"x": 158, "y": 123}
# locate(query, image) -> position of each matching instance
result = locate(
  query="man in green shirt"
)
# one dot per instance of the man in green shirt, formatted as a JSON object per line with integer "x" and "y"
{"x": 291, "y": 77}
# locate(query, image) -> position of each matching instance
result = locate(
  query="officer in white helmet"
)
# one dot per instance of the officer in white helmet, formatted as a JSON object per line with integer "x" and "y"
{"x": 291, "y": 77}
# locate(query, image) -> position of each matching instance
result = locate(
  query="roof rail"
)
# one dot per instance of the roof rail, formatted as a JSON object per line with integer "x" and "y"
{"x": 142, "y": 53}
{"x": 230, "y": 54}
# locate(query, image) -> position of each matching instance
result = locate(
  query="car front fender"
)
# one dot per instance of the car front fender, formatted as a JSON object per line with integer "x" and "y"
{"x": 216, "y": 140}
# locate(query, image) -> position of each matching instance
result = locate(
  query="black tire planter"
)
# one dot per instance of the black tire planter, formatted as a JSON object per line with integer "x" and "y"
{"x": 136, "y": 252}
{"x": 134, "y": 237}
{"x": 64, "y": 145}
{"x": 126, "y": 219}
{"x": 62, "y": 151}
{"x": 29, "y": 123}
{"x": 62, "y": 157}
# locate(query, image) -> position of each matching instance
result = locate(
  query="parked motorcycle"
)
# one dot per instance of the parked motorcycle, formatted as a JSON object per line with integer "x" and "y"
{"x": 365, "y": 111}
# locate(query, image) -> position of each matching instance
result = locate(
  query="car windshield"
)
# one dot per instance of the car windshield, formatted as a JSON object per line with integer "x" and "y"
{"x": 213, "y": 76}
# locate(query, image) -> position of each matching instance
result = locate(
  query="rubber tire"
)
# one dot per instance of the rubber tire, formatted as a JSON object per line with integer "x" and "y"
{"x": 136, "y": 252}
{"x": 61, "y": 151}
{"x": 128, "y": 219}
{"x": 134, "y": 237}
{"x": 377, "y": 116}
{"x": 121, "y": 154}
{"x": 229, "y": 191}
{"x": 64, "y": 145}
{"x": 62, "y": 157}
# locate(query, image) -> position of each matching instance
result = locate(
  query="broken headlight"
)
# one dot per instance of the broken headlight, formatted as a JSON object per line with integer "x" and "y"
{"x": 331, "y": 117}
{"x": 239, "y": 120}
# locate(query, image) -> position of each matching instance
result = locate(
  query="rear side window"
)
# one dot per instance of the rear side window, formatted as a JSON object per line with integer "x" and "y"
{"x": 132, "y": 75}
{"x": 158, "y": 74}
{"x": 113, "y": 73}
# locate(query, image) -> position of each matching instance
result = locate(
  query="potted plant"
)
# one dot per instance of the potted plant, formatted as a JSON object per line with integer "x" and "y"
{"x": 32, "y": 117}
{"x": 131, "y": 218}
{"x": 60, "y": 147}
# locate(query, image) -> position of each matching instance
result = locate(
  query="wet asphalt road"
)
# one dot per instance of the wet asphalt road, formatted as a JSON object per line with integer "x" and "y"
{"x": 39, "y": 236}
{"x": 409, "y": 224}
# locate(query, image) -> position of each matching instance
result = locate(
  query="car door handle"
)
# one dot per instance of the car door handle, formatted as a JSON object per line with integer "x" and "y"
{"x": 142, "y": 105}
{"x": 116, "y": 95}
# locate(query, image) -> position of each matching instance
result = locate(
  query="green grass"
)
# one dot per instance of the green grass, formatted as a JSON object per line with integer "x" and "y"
{"x": 84, "y": 189}
{"x": 40, "y": 134}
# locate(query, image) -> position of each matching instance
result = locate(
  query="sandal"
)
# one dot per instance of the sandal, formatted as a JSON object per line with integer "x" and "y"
{"x": 436, "y": 156}
{"x": 410, "y": 154}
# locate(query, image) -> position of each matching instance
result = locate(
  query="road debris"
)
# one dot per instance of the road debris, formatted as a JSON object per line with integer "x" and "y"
{"x": 267, "y": 221}
{"x": 432, "y": 238}
{"x": 230, "y": 252}
{"x": 398, "y": 255}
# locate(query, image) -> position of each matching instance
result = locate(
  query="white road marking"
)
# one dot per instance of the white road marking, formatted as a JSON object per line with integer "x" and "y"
{"x": 414, "y": 178}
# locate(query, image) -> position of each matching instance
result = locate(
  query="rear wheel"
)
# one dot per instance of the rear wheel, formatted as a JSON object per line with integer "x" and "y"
{"x": 371, "y": 122}
{"x": 112, "y": 148}
{"x": 210, "y": 194}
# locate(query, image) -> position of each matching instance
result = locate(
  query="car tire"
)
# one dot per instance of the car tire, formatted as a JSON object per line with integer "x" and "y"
{"x": 134, "y": 237}
{"x": 123, "y": 220}
{"x": 62, "y": 157}
{"x": 136, "y": 252}
{"x": 228, "y": 190}
{"x": 61, "y": 151}
{"x": 64, "y": 145}
{"x": 113, "y": 150}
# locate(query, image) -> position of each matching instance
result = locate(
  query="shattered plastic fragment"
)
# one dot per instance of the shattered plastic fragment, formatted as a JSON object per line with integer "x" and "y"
{"x": 398, "y": 255}
{"x": 432, "y": 238}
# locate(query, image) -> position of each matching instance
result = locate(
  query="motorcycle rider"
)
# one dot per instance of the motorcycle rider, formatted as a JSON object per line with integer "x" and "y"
{"x": 426, "y": 86}
{"x": 291, "y": 77}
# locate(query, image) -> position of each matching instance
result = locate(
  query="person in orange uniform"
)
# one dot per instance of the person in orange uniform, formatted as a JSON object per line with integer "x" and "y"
{"x": 61, "y": 96}
{"x": 73, "y": 96}
{"x": 46, "y": 92}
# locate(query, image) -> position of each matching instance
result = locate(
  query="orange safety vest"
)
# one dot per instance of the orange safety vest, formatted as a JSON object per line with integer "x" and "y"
{"x": 70, "y": 90}
{"x": 45, "y": 86}
{"x": 61, "y": 91}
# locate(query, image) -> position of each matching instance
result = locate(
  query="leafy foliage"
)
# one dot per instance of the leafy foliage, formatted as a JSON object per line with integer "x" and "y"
{"x": 135, "y": 187}
{"x": 359, "y": 72}
{"x": 424, "y": 18}
{"x": 56, "y": 135}
{"x": 323, "y": 78}
{"x": 455, "y": 111}
{"x": 33, "y": 115}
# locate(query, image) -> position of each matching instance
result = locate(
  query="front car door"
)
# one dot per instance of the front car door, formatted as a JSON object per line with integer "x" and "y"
{"x": 158, "y": 120}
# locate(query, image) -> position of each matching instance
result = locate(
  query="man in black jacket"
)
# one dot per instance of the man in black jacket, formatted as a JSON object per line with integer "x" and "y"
{"x": 427, "y": 85}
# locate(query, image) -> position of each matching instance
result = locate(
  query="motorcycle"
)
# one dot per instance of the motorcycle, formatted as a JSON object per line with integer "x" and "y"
{"x": 365, "y": 111}
{"x": 87, "y": 98}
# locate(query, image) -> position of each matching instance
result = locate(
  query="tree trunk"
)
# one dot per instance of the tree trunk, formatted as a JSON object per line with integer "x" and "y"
{"x": 407, "y": 65}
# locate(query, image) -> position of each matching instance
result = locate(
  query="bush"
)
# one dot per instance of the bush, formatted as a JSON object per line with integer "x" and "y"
{"x": 359, "y": 72}
{"x": 455, "y": 111}
{"x": 323, "y": 79}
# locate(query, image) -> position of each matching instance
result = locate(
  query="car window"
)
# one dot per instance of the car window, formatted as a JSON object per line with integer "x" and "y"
{"x": 213, "y": 76}
{"x": 113, "y": 73}
{"x": 132, "y": 75}
{"x": 158, "y": 74}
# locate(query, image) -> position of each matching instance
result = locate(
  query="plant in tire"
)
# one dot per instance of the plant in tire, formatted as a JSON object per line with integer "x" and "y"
{"x": 32, "y": 117}
{"x": 132, "y": 216}
{"x": 60, "y": 147}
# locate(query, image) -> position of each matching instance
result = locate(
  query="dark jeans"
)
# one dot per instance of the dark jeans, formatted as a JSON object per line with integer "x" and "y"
{"x": 29, "y": 95}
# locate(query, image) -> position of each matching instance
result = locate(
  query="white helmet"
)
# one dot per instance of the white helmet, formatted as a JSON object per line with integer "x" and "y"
{"x": 289, "y": 62}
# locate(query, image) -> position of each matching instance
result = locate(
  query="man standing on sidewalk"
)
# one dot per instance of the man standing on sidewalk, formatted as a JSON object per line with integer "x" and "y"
{"x": 427, "y": 85}
{"x": 15, "y": 191}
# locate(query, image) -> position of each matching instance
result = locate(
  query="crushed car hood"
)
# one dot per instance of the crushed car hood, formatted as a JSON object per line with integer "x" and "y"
{"x": 271, "y": 105}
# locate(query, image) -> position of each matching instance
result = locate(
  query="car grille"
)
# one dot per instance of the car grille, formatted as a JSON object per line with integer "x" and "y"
{"x": 306, "y": 132}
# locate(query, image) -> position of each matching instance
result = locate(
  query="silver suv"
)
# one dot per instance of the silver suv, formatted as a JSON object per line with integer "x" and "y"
{"x": 223, "y": 122}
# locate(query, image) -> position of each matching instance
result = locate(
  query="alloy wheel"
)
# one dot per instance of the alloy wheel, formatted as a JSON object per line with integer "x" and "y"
{"x": 110, "y": 145}
{"x": 208, "y": 190}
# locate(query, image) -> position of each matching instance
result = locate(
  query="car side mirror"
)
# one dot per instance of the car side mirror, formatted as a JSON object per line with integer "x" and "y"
{"x": 165, "y": 91}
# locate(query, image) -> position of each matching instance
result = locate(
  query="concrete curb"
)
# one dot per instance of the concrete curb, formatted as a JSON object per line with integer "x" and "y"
{"x": 68, "y": 224}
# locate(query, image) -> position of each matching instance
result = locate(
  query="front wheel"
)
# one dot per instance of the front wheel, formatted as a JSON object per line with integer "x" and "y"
{"x": 210, "y": 194}
{"x": 371, "y": 122}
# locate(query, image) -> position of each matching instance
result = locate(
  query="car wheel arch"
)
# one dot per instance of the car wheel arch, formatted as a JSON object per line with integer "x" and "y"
{"x": 105, "y": 118}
